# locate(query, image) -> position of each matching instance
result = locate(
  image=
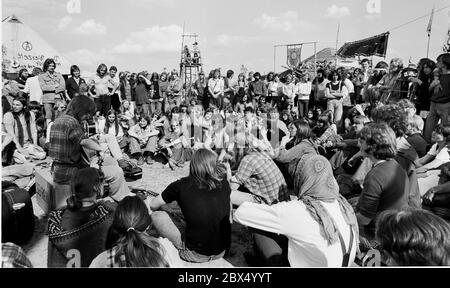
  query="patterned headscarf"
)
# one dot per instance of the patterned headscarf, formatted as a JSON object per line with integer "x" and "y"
{"x": 315, "y": 182}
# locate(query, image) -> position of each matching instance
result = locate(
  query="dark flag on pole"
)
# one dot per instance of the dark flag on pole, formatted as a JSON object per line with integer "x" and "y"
{"x": 294, "y": 53}
{"x": 373, "y": 46}
{"x": 430, "y": 23}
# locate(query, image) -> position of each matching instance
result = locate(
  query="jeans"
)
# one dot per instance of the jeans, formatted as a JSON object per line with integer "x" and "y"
{"x": 150, "y": 146}
{"x": 143, "y": 108}
{"x": 103, "y": 104}
{"x": 437, "y": 111}
{"x": 49, "y": 111}
{"x": 303, "y": 108}
{"x": 115, "y": 102}
{"x": 155, "y": 106}
{"x": 167, "y": 229}
{"x": 110, "y": 142}
{"x": 335, "y": 106}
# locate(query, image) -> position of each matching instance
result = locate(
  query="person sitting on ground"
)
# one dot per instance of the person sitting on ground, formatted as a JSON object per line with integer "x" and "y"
{"x": 83, "y": 224}
{"x": 258, "y": 178}
{"x": 415, "y": 137}
{"x": 143, "y": 140}
{"x": 131, "y": 245}
{"x": 327, "y": 235}
{"x": 413, "y": 237}
{"x": 175, "y": 146}
{"x": 72, "y": 149}
{"x": 326, "y": 130}
{"x": 126, "y": 110}
{"x": 204, "y": 199}
{"x": 439, "y": 205}
{"x": 386, "y": 185}
{"x": 437, "y": 155}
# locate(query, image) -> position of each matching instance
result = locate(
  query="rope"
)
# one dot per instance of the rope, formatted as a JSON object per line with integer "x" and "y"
{"x": 418, "y": 18}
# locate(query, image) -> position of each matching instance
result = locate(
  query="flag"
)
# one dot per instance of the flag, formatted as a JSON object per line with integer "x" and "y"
{"x": 446, "y": 47}
{"x": 376, "y": 45}
{"x": 430, "y": 23}
{"x": 294, "y": 53}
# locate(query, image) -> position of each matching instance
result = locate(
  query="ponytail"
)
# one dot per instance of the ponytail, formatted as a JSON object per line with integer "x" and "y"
{"x": 140, "y": 250}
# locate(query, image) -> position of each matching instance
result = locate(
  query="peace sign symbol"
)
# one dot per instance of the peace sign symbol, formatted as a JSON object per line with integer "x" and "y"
{"x": 27, "y": 46}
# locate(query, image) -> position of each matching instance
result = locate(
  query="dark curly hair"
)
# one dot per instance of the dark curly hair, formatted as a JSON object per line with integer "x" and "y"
{"x": 414, "y": 237}
{"x": 394, "y": 116}
{"x": 380, "y": 140}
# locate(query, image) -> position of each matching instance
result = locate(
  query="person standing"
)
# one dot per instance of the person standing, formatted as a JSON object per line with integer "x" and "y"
{"x": 102, "y": 95}
{"x": 229, "y": 88}
{"x": 52, "y": 85}
{"x": 73, "y": 83}
{"x": 155, "y": 94}
{"x": 174, "y": 90}
{"x": 113, "y": 88}
{"x": 200, "y": 89}
{"x": 303, "y": 90}
{"x": 335, "y": 92}
{"x": 215, "y": 88}
{"x": 389, "y": 85}
{"x": 256, "y": 89}
{"x": 319, "y": 87}
{"x": 32, "y": 86}
{"x": 142, "y": 91}
{"x": 440, "y": 100}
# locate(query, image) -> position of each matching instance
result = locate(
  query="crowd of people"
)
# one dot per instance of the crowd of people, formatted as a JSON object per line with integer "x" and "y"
{"x": 320, "y": 165}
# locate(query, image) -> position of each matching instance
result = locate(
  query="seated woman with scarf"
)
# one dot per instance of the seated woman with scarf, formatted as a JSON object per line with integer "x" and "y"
{"x": 327, "y": 234}
{"x": 22, "y": 124}
{"x": 300, "y": 144}
{"x": 83, "y": 224}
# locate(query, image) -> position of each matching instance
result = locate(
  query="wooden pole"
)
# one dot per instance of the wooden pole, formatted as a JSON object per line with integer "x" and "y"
{"x": 274, "y": 57}
{"x": 337, "y": 40}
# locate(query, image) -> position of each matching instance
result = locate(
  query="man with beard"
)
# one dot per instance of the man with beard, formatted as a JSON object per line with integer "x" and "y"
{"x": 22, "y": 78}
{"x": 389, "y": 85}
{"x": 69, "y": 144}
{"x": 319, "y": 87}
{"x": 52, "y": 85}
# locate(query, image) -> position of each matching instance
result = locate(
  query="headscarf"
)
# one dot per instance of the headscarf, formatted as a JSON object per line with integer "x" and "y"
{"x": 315, "y": 182}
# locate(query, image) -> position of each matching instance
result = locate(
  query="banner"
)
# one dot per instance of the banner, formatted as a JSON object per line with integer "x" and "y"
{"x": 294, "y": 53}
{"x": 430, "y": 23}
{"x": 373, "y": 46}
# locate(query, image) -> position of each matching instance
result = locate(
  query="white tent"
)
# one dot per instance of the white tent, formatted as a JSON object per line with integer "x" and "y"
{"x": 24, "y": 48}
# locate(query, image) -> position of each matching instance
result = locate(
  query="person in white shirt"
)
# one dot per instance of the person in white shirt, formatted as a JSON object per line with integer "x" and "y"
{"x": 216, "y": 87}
{"x": 321, "y": 226}
{"x": 289, "y": 89}
{"x": 427, "y": 173}
{"x": 32, "y": 86}
{"x": 102, "y": 95}
{"x": 346, "y": 100}
{"x": 303, "y": 90}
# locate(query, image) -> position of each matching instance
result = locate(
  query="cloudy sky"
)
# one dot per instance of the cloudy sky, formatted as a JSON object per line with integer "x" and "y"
{"x": 140, "y": 35}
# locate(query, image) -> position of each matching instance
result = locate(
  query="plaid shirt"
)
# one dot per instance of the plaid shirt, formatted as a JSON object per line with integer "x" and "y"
{"x": 14, "y": 257}
{"x": 65, "y": 149}
{"x": 261, "y": 176}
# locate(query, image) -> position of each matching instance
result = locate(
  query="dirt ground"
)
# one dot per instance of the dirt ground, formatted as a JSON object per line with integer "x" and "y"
{"x": 156, "y": 178}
